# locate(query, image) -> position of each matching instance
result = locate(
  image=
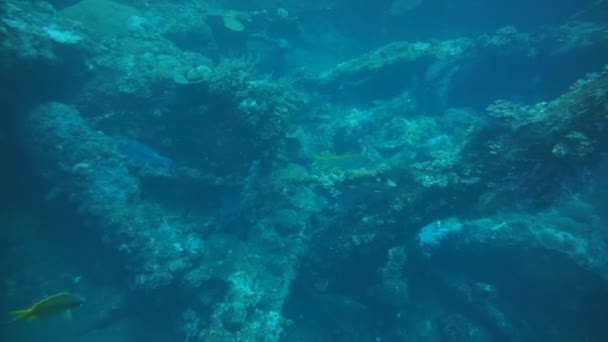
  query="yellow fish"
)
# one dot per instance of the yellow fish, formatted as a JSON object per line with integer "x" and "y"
{"x": 54, "y": 305}
{"x": 330, "y": 157}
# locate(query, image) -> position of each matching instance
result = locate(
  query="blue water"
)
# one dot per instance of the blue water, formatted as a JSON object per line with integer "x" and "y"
{"x": 323, "y": 171}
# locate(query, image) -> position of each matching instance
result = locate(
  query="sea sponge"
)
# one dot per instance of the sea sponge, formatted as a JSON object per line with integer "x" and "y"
{"x": 193, "y": 75}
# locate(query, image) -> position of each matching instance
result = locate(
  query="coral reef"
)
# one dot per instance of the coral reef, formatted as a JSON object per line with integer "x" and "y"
{"x": 436, "y": 189}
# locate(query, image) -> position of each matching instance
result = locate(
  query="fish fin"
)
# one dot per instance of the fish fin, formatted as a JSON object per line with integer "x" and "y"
{"x": 68, "y": 314}
{"x": 165, "y": 162}
{"x": 21, "y": 314}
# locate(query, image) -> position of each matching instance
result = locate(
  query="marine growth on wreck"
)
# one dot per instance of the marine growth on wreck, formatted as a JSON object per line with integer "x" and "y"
{"x": 323, "y": 171}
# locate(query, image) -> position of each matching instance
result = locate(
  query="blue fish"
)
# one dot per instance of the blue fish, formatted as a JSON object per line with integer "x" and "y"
{"x": 143, "y": 153}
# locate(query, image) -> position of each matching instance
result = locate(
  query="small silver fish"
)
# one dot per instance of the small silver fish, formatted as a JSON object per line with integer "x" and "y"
{"x": 142, "y": 152}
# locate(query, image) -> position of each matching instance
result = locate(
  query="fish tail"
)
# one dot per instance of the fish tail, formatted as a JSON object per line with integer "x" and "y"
{"x": 22, "y": 314}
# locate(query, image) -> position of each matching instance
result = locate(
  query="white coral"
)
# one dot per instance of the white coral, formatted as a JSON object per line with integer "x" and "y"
{"x": 61, "y": 36}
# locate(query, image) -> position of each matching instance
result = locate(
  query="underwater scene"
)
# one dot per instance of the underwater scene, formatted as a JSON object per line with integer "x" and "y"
{"x": 304, "y": 170}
